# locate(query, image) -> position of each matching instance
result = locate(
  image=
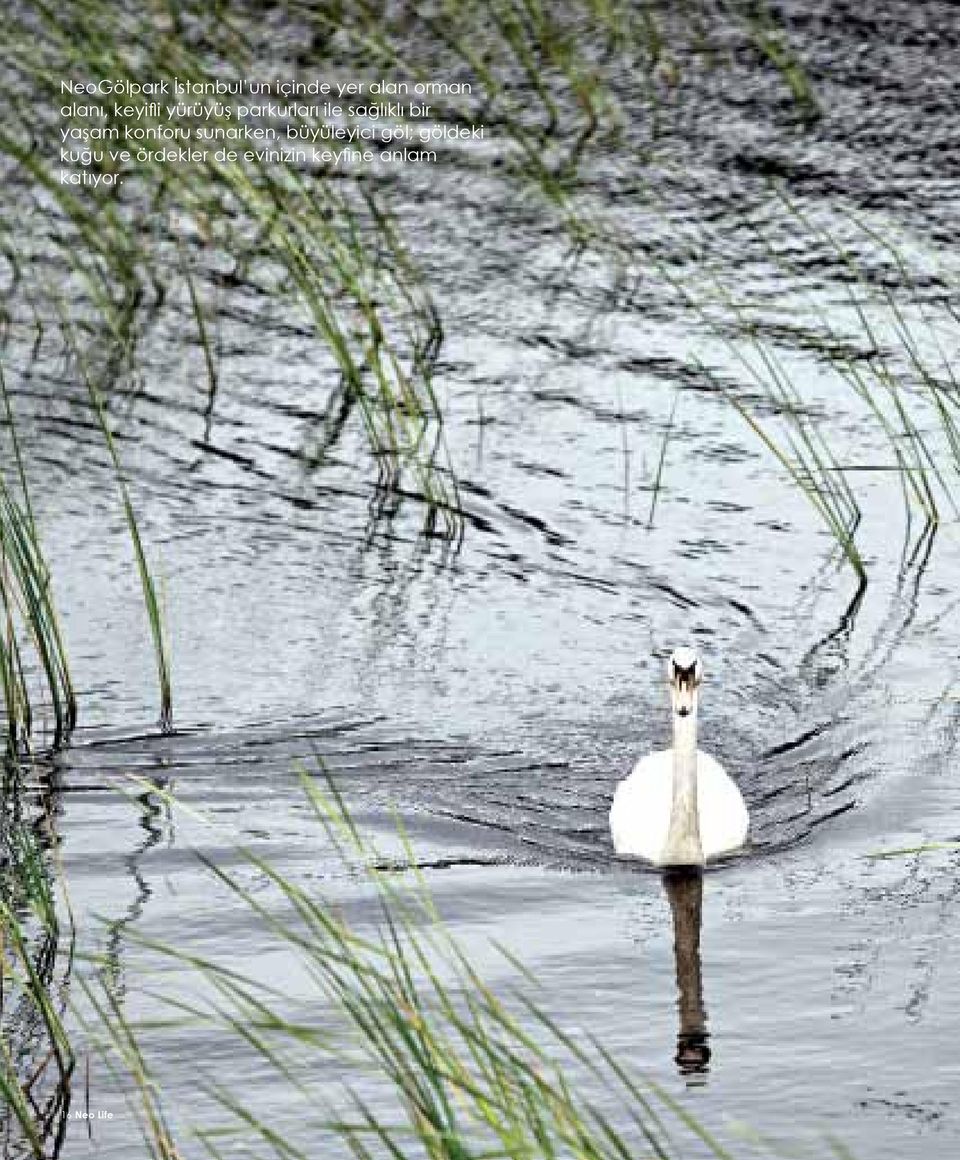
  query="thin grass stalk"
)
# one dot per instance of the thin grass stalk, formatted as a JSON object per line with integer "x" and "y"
{"x": 148, "y": 587}
{"x": 150, "y": 598}
{"x": 661, "y": 459}
{"x": 124, "y": 1045}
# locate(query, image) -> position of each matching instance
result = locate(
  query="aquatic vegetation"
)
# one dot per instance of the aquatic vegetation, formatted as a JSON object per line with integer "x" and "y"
{"x": 546, "y": 79}
{"x": 804, "y": 451}
{"x": 880, "y": 348}
{"x": 37, "y": 1060}
{"x": 774, "y": 46}
{"x": 148, "y": 586}
{"x": 28, "y": 605}
{"x": 661, "y": 460}
{"x": 326, "y": 245}
{"x": 28, "y": 609}
{"x": 460, "y": 1069}
{"x": 151, "y": 598}
{"x": 909, "y": 396}
{"x": 98, "y": 266}
{"x": 98, "y": 273}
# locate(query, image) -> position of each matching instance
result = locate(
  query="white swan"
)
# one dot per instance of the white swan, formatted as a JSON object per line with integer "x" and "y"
{"x": 679, "y": 807}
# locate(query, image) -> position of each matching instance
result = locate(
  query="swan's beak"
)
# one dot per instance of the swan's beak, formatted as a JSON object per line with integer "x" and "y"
{"x": 683, "y": 693}
{"x": 685, "y": 673}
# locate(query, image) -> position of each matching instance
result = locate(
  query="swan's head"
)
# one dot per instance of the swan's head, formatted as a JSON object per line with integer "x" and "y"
{"x": 685, "y": 672}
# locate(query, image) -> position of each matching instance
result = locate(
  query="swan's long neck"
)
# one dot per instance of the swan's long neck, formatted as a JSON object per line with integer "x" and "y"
{"x": 683, "y": 847}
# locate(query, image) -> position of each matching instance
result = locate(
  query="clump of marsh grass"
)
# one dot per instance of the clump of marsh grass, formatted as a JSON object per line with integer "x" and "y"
{"x": 37, "y": 1060}
{"x": 324, "y": 243}
{"x": 544, "y": 78}
{"x": 879, "y": 348}
{"x": 910, "y": 398}
{"x": 786, "y": 424}
{"x": 28, "y": 613}
{"x": 464, "y": 1071}
{"x": 892, "y": 371}
{"x": 30, "y": 622}
{"x": 803, "y": 449}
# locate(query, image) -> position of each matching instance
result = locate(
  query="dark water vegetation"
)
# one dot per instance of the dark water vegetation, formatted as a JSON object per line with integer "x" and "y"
{"x": 418, "y": 469}
{"x": 37, "y": 1061}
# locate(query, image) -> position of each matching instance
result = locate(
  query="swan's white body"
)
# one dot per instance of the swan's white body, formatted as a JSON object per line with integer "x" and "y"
{"x": 640, "y": 814}
{"x": 679, "y": 806}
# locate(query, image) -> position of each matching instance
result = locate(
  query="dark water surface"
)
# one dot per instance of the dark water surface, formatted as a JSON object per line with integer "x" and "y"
{"x": 495, "y": 692}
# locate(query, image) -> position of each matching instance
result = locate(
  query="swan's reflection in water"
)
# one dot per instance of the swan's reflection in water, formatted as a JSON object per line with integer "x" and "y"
{"x": 684, "y": 889}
